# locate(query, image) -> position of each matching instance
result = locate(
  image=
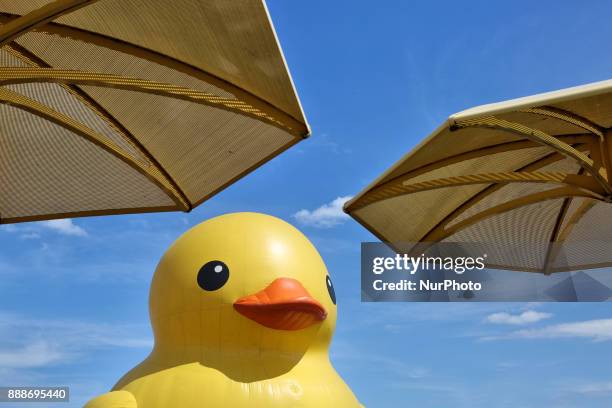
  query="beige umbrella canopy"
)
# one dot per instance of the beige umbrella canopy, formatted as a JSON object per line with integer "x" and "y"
{"x": 125, "y": 106}
{"x": 528, "y": 180}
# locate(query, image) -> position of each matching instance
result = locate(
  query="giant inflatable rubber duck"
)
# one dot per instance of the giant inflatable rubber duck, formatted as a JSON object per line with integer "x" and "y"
{"x": 243, "y": 312}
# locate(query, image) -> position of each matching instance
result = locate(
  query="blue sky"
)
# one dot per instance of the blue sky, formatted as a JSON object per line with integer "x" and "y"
{"x": 374, "y": 79}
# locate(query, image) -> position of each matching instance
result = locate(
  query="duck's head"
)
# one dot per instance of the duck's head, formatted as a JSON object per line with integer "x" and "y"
{"x": 242, "y": 284}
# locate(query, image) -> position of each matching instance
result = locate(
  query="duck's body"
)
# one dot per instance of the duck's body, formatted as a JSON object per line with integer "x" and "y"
{"x": 222, "y": 341}
{"x": 314, "y": 384}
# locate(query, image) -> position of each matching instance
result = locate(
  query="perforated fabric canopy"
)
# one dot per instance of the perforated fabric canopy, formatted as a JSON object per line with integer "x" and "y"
{"x": 528, "y": 180}
{"x": 124, "y": 106}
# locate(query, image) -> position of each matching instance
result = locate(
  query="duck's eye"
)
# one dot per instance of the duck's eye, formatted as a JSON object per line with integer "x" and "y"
{"x": 213, "y": 275}
{"x": 330, "y": 289}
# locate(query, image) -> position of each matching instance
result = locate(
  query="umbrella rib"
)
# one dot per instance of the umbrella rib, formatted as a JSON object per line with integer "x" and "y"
{"x": 551, "y": 252}
{"x": 566, "y": 116}
{"x": 39, "y": 17}
{"x": 470, "y": 154}
{"x": 562, "y": 192}
{"x": 575, "y": 218}
{"x": 580, "y": 121}
{"x": 538, "y": 164}
{"x": 88, "y": 213}
{"x": 541, "y": 137}
{"x": 294, "y": 126}
{"x": 18, "y": 75}
{"x": 22, "y": 102}
{"x": 180, "y": 198}
{"x": 405, "y": 188}
{"x": 502, "y": 178}
{"x": 562, "y": 236}
{"x": 542, "y": 162}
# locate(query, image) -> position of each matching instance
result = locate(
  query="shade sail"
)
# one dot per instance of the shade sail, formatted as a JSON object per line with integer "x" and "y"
{"x": 122, "y": 106}
{"x": 531, "y": 175}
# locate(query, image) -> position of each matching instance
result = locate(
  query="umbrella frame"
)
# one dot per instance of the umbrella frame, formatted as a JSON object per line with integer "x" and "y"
{"x": 39, "y": 71}
{"x": 593, "y": 181}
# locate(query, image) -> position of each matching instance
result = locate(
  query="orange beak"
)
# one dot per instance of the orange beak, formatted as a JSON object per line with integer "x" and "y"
{"x": 283, "y": 305}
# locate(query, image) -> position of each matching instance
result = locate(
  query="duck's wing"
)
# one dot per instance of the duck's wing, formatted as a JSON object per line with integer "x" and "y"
{"x": 114, "y": 399}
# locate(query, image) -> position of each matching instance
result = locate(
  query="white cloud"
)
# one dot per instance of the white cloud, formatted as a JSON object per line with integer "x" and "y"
{"x": 36, "y": 354}
{"x": 326, "y": 216}
{"x": 43, "y": 342}
{"x": 33, "y": 230}
{"x": 324, "y": 141}
{"x": 529, "y": 316}
{"x": 601, "y": 388}
{"x": 8, "y": 228}
{"x": 65, "y": 226}
{"x": 596, "y": 330}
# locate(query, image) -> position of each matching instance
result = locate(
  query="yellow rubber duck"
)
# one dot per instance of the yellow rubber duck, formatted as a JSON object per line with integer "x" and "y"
{"x": 243, "y": 312}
